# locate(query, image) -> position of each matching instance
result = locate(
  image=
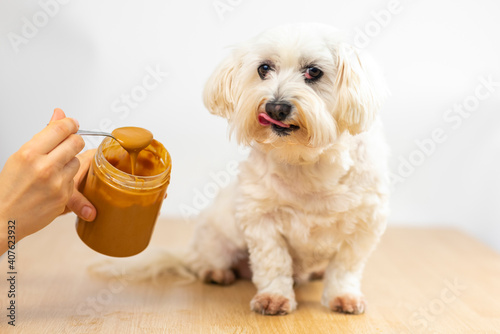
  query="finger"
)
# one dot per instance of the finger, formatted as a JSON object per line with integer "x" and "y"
{"x": 53, "y": 134}
{"x": 70, "y": 169}
{"x": 67, "y": 150}
{"x": 57, "y": 115}
{"x": 71, "y": 189}
{"x": 85, "y": 161}
{"x": 81, "y": 206}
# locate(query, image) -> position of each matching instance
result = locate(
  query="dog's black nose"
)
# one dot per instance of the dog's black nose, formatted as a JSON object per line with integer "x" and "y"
{"x": 278, "y": 111}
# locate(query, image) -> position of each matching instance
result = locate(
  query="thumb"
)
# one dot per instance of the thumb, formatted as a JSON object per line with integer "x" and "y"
{"x": 81, "y": 206}
{"x": 85, "y": 162}
{"x": 57, "y": 115}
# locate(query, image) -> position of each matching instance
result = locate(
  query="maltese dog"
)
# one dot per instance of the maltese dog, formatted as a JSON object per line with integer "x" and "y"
{"x": 311, "y": 200}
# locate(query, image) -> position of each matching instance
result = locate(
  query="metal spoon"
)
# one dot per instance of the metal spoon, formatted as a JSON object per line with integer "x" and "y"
{"x": 94, "y": 133}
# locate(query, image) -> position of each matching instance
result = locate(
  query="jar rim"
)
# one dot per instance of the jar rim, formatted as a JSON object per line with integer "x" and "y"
{"x": 126, "y": 180}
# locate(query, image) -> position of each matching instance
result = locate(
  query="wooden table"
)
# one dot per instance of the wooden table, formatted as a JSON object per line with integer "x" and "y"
{"x": 417, "y": 281}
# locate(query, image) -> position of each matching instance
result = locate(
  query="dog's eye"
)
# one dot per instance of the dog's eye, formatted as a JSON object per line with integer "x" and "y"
{"x": 313, "y": 74}
{"x": 263, "y": 70}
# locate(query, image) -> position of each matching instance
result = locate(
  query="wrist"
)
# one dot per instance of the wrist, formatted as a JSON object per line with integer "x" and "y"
{"x": 9, "y": 233}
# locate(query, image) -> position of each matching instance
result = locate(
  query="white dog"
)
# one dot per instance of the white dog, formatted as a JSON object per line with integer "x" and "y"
{"x": 313, "y": 195}
{"x": 312, "y": 198}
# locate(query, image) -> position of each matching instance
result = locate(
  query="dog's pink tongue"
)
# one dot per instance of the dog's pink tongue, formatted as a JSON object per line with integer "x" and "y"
{"x": 265, "y": 119}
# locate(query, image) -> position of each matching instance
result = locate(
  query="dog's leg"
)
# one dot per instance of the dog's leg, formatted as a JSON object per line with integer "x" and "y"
{"x": 272, "y": 270}
{"x": 218, "y": 243}
{"x": 212, "y": 254}
{"x": 342, "y": 291}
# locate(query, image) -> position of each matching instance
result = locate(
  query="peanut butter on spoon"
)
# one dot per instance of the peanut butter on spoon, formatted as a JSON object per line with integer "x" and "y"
{"x": 133, "y": 140}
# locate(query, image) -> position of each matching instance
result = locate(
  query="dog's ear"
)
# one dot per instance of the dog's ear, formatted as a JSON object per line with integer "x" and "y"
{"x": 358, "y": 90}
{"x": 218, "y": 95}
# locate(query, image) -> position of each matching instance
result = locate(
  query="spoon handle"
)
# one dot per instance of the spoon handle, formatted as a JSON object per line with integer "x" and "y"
{"x": 93, "y": 133}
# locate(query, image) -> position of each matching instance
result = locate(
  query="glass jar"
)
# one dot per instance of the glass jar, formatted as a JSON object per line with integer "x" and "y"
{"x": 127, "y": 205}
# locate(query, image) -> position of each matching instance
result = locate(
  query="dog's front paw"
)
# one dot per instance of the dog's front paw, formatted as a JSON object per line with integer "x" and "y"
{"x": 272, "y": 304}
{"x": 348, "y": 303}
{"x": 218, "y": 276}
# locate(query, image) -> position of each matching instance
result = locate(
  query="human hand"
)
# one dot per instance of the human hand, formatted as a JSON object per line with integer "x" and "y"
{"x": 78, "y": 203}
{"x": 37, "y": 180}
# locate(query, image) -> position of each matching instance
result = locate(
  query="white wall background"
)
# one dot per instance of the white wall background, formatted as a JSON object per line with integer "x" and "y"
{"x": 90, "y": 53}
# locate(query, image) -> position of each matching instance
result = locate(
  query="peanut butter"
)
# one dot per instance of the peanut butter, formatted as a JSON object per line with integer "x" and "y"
{"x": 133, "y": 140}
{"x": 127, "y": 205}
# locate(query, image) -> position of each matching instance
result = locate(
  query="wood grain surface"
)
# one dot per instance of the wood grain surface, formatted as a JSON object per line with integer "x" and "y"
{"x": 417, "y": 281}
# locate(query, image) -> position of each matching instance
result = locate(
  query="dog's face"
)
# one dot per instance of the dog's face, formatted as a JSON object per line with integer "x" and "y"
{"x": 294, "y": 88}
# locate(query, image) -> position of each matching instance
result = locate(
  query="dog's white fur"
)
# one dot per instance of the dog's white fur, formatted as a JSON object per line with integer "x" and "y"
{"x": 313, "y": 201}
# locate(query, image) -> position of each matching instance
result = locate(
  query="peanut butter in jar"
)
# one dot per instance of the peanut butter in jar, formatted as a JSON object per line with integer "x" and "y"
{"x": 127, "y": 205}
